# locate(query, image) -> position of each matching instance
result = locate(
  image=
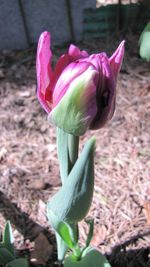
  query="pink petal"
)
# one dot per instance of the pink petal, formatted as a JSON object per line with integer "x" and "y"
{"x": 76, "y": 53}
{"x": 44, "y": 71}
{"x": 95, "y": 60}
{"x": 44, "y": 103}
{"x": 62, "y": 63}
{"x": 116, "y": 59}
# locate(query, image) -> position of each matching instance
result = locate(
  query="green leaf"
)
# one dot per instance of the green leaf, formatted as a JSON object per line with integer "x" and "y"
{"x": 18, "y": 263}
{"x": 72, "y": 202}
{"x": 90, "y": 258}
{"x": 66, "y": 235}
{"x": 5, "y": 255}
{"x": 61, "y": 247}
{"x": 65, "y": 232}
{"x": 8, "y": 239}
{"x": 146, "y": 29}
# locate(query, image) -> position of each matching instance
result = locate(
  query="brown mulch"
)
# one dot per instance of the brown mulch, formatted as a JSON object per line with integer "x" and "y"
{"x": 29, "y": 172}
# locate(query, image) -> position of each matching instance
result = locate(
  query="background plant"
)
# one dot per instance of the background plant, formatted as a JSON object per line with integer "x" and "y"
{"x": 8, "y": 255}
{"x": 144, "y": 43}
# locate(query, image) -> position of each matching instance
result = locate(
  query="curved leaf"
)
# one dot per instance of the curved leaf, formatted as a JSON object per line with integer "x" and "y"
{"x": 90, "y": 258}
{"x": 90, "y": 222}
{"x": 5, "y": 255}
{"x": 18, "y": 263}
{"x": 72, "y": 202}
{"x": 8, "y": 239}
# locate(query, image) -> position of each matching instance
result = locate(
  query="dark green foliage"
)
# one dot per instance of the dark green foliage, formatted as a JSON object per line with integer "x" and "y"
{"x": 7, "y": 251}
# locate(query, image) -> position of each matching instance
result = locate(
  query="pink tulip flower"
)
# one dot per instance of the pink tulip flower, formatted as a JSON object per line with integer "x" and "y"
{"x": 80, "y": 92}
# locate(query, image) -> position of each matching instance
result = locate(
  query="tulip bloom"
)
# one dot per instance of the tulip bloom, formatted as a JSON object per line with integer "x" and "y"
{"x": 80, "y": 92}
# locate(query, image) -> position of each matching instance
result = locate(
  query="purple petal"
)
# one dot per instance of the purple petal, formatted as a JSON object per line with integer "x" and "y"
{"x": 106, "y": 94}
{"x": 116, "y": 59}
{"x": 74, "y": 54}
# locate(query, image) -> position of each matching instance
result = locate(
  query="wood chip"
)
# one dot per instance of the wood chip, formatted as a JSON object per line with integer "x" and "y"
{"x": 147, "y": 210}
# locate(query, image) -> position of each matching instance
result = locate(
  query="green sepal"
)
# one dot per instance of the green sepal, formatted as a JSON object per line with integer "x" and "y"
{"x": 72, "y": 202}
{"x": 21, "y": 262}
{"x": 8, "y": 239}
{"x": 90, "y": 258}
{"x": 5, "y": 255}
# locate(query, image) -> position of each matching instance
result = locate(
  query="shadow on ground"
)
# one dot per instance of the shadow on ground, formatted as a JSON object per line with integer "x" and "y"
{"x": 26, "y": 226}
{"x": 120, "y": 256}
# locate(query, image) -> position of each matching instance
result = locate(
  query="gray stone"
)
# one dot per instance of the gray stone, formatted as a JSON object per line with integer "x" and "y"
{"x": 47, "y": 15}
{"x": 12, "y": 33}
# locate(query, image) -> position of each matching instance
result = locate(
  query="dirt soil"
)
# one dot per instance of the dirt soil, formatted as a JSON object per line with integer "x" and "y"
{"x": 29, "y": 172}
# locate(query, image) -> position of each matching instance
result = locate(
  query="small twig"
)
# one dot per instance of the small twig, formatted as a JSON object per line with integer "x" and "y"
{"x": 70, "y": 19}
{"x": 24, "y": 21}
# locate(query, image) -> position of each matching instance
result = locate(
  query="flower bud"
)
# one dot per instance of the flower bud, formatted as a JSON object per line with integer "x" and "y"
{"x": 79, "y": 94}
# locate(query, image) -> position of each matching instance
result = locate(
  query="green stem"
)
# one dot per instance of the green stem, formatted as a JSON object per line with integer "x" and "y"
{"x": 60, "y": 264}
{"x": 67, "y": 150}
{"x": 77, "y": 252}
{"x": 62, "y": 151}
{"x": 73, "y": 147}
